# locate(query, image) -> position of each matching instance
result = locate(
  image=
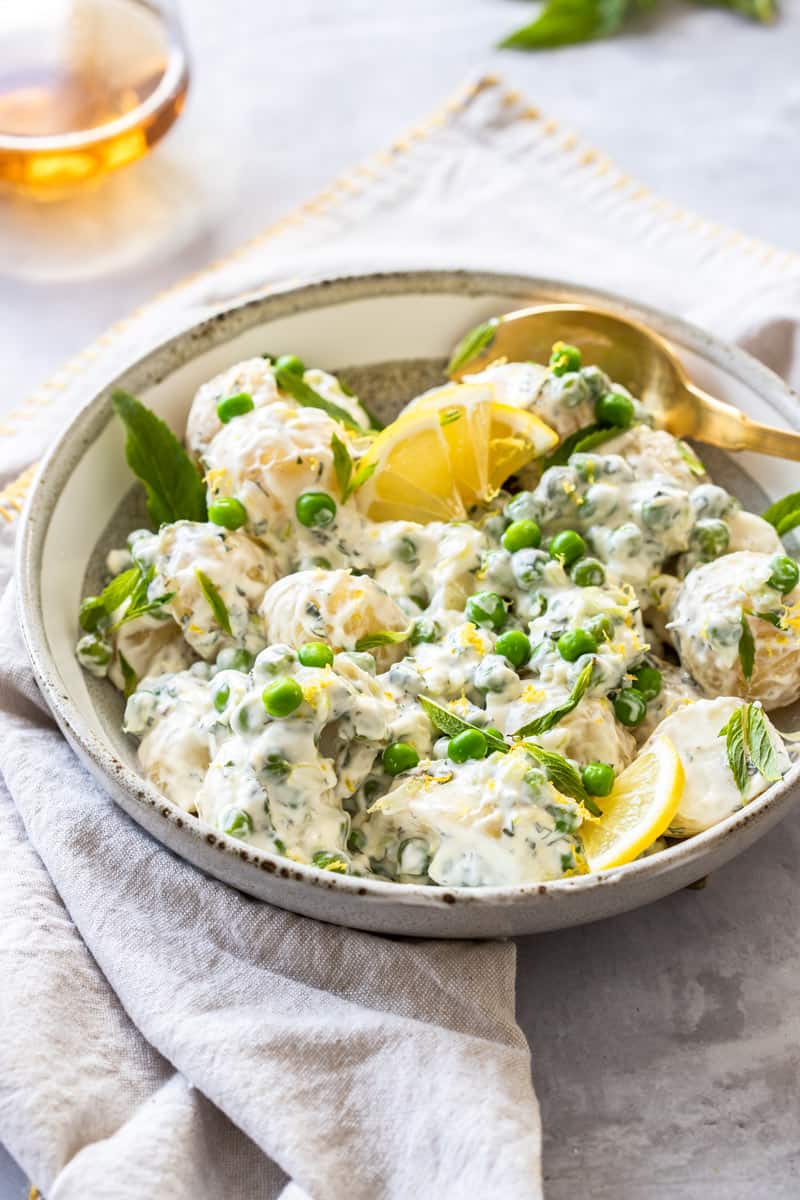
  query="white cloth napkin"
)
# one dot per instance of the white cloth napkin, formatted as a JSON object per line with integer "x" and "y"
{"x": 162, "y": 1034}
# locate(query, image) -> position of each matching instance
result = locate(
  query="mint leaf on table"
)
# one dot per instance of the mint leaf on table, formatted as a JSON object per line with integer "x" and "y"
{"x": 547, "y": 720}
{"x": 307, "y": 397}
{"x": 566, "y": 22}
{"x": 173, "y": 485}
{"x": 784, "y": 515}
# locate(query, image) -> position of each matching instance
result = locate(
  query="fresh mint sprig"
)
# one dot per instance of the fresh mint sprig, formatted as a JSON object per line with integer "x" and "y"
{"x": 173, "y": 486}
{"x": 567, "y": 22}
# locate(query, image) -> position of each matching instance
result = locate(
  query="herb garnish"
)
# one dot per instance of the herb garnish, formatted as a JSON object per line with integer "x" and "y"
{"x": 384, "y": 637}
{"x": 578, "y": 443}
{"x": 547, "y": 720}
{"x": 566, "y": 22}
{"x": 747, "y": 648}
{"x": 175, "y": 491}
{"x": 784, "y": 514}
{"x": 215, "y": 601}
{"x": 748, "y": 743}
{"x": 472, "y": 343}
{"x": 307, "y": 397}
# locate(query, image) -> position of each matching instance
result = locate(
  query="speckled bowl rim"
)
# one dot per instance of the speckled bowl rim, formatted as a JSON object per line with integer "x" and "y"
{"x": 213, "y": 331}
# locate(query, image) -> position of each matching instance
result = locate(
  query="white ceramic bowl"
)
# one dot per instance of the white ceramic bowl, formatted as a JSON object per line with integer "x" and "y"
{"x": 354, "y": 322}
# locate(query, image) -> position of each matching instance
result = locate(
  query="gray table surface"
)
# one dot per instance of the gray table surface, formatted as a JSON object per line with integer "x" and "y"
{"x": 665, "y": 1043}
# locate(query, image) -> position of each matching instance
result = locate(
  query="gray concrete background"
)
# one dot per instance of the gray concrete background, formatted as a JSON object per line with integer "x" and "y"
{"x": 665, "y": 1043}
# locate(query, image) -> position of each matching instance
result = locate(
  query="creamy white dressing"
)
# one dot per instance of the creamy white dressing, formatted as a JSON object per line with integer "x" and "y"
{"x": 678, "y": 567}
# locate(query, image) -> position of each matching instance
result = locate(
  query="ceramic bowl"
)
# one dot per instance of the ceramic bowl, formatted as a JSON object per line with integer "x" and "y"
{"x": 392, "y": 333}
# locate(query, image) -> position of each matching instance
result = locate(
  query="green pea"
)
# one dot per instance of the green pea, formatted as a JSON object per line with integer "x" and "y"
{"x": 471, "y": 743}
{"x": 630, "y": 707}
{"x": 315, "y": 654}
{"x": 95, "y": 649}
{"x": 239, "y": 659}
{"x": 290, "y": 363}
{"x": 601, "y": 627}
{"x": 515, "y": 646}
{"x": 575, "y": 643}
{"x": 521, "y": 535}
{"x": 615, "y": 409}
{"x": 228, "y": 512}
{"x": 648, "y": 682}
{"x": 281, "y": 697}
{"x": 598, "y": 778}
{"x": 487, "y": 609}
{"x": 567, "y": 547}
{"x": 588, "y": 572}
{"x": 564, "y": 358}
{"x": 711, "y": 537}
{"x": 406, "y": 550}
{"x": 237, "y": 823}
{"x": 425, "y": 630}
{"x": 413, "y": 856}
{"x": 315, "y": 510}
{"x": 234, "y": 406}
{"x": 330, "y": 860}
{"x": 493, "y": 731}
{"x": 221, "y": 697}
{"x": 399, "y": 757}
{"x": 784, "y": 574}
{"x": 92, "y": 614}
{"x": 356, "y": 841}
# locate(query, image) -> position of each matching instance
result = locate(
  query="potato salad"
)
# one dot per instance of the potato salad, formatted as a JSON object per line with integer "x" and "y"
{"x": 516, "y": 636}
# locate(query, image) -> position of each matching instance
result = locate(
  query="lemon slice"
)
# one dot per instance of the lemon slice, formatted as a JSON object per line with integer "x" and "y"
{"x": 644, "y": 800}
{"x": 449, "y": 449}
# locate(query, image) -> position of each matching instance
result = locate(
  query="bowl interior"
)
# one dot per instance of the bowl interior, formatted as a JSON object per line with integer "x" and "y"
{"x": 389, "y": 336}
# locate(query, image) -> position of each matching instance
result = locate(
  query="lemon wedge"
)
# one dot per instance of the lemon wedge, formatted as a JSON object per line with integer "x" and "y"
{"x": 641, "y": 806}
{"x": 449, "y": 449}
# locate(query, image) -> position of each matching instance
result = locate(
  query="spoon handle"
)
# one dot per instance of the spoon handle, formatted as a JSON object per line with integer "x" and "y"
{"x": 710, "y": 420}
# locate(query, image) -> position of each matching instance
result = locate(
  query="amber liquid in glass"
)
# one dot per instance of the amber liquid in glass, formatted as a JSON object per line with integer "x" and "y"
{"x": 86, "y": 86}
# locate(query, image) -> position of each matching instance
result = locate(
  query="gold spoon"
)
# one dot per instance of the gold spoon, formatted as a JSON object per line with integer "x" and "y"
{"x": 630, "y": 354}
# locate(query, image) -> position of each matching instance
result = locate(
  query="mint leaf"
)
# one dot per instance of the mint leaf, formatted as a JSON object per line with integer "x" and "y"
{"x": 129, "y": 676}
{"x": 306, "y": 397}
{"x": 547, "y": 720}
{"x": 757, "y": 10}
{"x": 342, "y": 465}
{"x": 747, "y": 648}
{"x": 566, "y": 22}
{"x": 132, "y": 586}
{"x": 690, "y": 458}
{"x": 472, "y": 343}
{"x": 784, "y": 514}
{"x": 736, "y": 746}
{"x": 215, "y": 601}
{"x": 579, "y": 442}
{"x": 563, "y": 776}
{"x": 384, "y": 637}
{"x": 120, "y": 589}
{"x": 762, "y": 751}
{"x": 174, "y": 488}
{"x": 362, "y": 474}
{"x": 449, "y": 723}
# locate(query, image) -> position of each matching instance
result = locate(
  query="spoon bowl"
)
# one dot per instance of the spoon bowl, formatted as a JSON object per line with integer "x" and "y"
{"x": 630, "y": 354}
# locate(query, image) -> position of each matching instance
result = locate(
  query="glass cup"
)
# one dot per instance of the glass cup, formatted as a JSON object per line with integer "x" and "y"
{"x": 86, "y": 86}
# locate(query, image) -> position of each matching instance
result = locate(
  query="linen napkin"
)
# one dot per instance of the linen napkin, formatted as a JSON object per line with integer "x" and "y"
{"x": 161, "y": 1031}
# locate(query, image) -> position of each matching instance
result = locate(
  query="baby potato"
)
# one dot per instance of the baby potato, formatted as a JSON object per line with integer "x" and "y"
{"x": 710, "y": 792}
{"x": 717, "y": 607}
{"x": 653, "y": 454}
{"x": 254, "y": 377}
{"x": 333, "y": 607}
{"x": 266, "y": 458}
{"x": 217, "y": 579}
